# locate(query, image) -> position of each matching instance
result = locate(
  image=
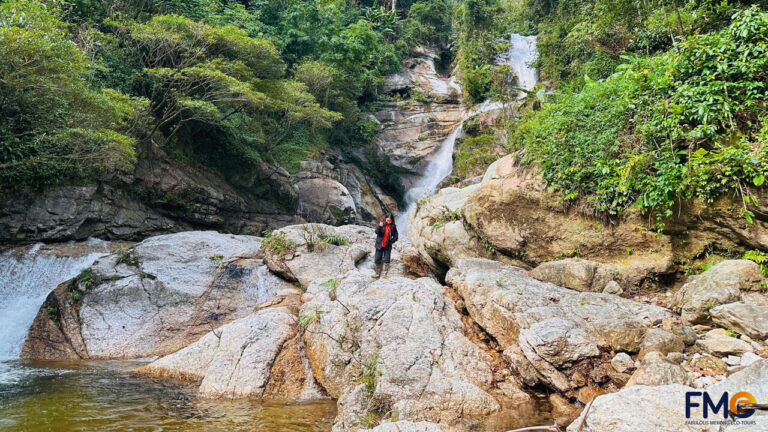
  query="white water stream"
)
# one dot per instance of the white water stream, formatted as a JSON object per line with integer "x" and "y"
{"x": 25, "y": 282}
{"x": 519, "y": 57}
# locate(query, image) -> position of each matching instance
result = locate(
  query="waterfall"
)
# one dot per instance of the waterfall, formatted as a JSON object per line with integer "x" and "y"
{"x": 26, "y": 279}
{"x": 521, "y": 53}
{"x": 439, "y": 167}
{"x": 519, "y": 57}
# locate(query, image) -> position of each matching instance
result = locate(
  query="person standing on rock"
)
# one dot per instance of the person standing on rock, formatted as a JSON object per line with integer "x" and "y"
{"x": 386, "y": 235}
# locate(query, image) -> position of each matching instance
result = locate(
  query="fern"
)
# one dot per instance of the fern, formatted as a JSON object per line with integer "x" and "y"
{"x": 759, "y": 257}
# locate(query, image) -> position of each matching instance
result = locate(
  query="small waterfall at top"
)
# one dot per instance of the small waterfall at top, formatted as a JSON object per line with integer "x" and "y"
{"x": 25, "y": 282}
{"x": 521, "y": 53}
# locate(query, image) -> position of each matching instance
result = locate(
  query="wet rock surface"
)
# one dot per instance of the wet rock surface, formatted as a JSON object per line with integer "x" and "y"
{"x": 161, "y": 294}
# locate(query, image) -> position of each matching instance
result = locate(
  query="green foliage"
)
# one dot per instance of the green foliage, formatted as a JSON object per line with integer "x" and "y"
{"x": 475, "y": 154}
{"x": 306, "y": 320}
{"x": 331, "y": 284}
{"x": 368, "y": 375}
{"x": 437, "y": 225}
{"x": 759, "y": 257}
{"x": 217, "y": 83}
{"x": 276, "y": 243}
{"x": 54, "y": 127}
{"x": 658, "y": 130}
{"x": 335, "y": 239}
{"x": 126, "y": 257}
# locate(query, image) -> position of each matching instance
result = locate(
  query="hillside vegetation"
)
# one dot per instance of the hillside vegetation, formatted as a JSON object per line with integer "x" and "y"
{"x": 87, "y": 84}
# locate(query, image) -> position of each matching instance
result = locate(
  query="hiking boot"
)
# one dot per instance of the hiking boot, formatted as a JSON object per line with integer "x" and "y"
{"x": 386, "y": 271}
{"x": 376, "y": 271}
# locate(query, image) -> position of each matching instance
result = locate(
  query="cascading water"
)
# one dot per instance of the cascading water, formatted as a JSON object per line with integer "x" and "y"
{"x": 25, "y": 282}
{"x": 519, "y": 57}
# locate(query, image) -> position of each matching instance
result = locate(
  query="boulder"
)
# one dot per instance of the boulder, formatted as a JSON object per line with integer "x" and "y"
{"x": 237, "y": 359}
{"x": 398, "y": 346}
{"x": 709, "y": 363}
{"x": 614, "y": 288}
{"x": 573, "y": 274}
{"x": 311, "y": 257}
{"x": 748, "y": 319}
{"x": 440, "y": 237}
{"x": 163, "y": 293}
{"x": 622, "y": 362}
{"x": 312, "y": 253}
{"x": 543, "y": 327}
{"x": 515, "y": 212}
{"x": 662, "y": 408}
{"x": 325, "y": 200}
{"x": 720, "y": 284}
{"x": 409, "y": 426}
{"x": 718, "y": 343}
{"x": 661, "y": 341}
{"x": 655, "y": 370}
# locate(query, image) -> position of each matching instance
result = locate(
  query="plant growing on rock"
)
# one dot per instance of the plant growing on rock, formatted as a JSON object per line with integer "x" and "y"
{"x": 759, "y": 257}
{"x": 126, "y": 257}
{"x": 276, "y": 243}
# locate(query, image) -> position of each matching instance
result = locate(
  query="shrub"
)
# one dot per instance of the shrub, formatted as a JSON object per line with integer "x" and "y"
{"x": 276, "y": 243}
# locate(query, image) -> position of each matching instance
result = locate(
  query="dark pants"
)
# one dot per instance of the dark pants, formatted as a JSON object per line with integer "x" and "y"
{"x": 382, "y": 254}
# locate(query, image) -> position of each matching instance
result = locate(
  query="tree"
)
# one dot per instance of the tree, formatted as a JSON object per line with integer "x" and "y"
{"x": 54, "y": 126}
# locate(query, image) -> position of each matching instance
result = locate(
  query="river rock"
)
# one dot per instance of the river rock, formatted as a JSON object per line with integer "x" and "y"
{"x": 718, "y": 343}
{"x": 163, "y": 293}
{"x": 749, "y": 319}
{"x": 622, "y": 362}
{"x": 614, "y": 288}
{"x": 661, "y": 341}
{"x": 709, "y": 363}
{"x": 544, "y": 326}
{"x": 655, "y": 370}
{"x": 325, "y": 200}
{"x": 573, "y": 274}
{"x": 662, "y": 408}
{"x": 720, "y": 284}
{"x": 237, "y": 359}
{"x": 398, "y": 346}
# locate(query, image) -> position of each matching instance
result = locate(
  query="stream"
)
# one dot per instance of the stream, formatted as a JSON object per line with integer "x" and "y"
{"x": 105, "y": 395}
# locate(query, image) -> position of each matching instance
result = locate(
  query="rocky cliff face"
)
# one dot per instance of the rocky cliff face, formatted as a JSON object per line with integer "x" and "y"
{"x": 162, "y": 195}
{"x": 425, "y": 108}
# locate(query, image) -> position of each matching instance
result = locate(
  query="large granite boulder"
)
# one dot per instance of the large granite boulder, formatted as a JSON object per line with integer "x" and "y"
{"x": 745, "y": 318}
{"x": 437, "y": 232}
{"x": 257, "y": 356}
{"x": 720, "y": 284}
{"x": 399, "y": 347}
{"x": 544, "y": 327}
{"x": 161, "y": 294}
{"x": 317, "y": 251}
